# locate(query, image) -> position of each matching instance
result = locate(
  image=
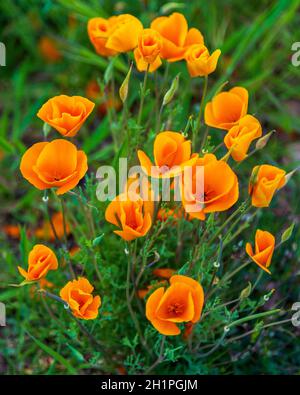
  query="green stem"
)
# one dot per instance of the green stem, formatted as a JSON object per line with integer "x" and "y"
{"x": 198, "y": 124}
{"x": 240, "y": 210}
{"x": 65, "y": 245}
{"x": 130, "y": 309}
{"x": 252, "y": 317}
{"x": 143, "y": 92}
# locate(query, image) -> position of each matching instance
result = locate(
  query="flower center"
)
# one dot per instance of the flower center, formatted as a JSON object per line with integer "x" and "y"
{"x": 176, "y": 308}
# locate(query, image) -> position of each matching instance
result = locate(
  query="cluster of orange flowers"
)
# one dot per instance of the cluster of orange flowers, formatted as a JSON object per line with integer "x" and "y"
{"x": 59, "y": 164}
{"x": 168, "y": 37}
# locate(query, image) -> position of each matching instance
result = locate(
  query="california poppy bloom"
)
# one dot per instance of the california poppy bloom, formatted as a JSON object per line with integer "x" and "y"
{"x": 41, "y": 259}
{"x": 133, "y": 215}
{"x": 66, "y": 114}
{"x": 199, "y": 61}
{"x": 12, "y": 231}
{"x": 181, "y": 302}
{"x": 49, "y": 50}
{"x": 164, "y": 272}
{"x": 172, "y": 152}
{"x": 213, "y": 190}
{"x": 78, "y": 295}
{"x": 264, "y": 182}
{"x": 45, "y": 232}
{"x": 240, "y": 136}
{"x": 124, "y": 32}
{"x": 227, "y": 108}
{"x": 147, "y": 53}
{"x": 176, "y": 35}
{"x": 264, "y": 248}
{"x": 54, "y": 165}
{"x": 98, "y": 31}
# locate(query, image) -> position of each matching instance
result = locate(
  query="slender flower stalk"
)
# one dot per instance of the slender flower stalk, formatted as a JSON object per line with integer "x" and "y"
{"x": 143, "y": 93}
{"x": 199, "y": 119}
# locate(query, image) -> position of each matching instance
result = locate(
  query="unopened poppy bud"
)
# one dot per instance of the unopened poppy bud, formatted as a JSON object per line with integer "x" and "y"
{"x": 287, "y": 233}
{"x": 262, "y": 142}
{"x": 171, "y": 92}
{"x": 246, "y": 291}
{"x": 289, "y": 175}
{"x": 123, "y": 91}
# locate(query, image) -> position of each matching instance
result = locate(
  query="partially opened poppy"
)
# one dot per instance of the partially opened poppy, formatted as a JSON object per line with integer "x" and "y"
{"x": 54, "y": 165}
{"x": 199, "y": 61}
{"x": 264, "y": 248}
{"x": 240, "y": 136}
{"x": 172, "y": 152}
{"x": 66, "y": 114}
{"x": 147, "y": 53}
{"x": 78, "y": 295}
{"x": 99, "y": 30}
{"x": 227, "y": 108}
{"x": 264, "y": 182}
{"x": 41, "y": 259}
{"x": 176, "y": 35}
{"x": 124, "y": 32}
{"x": 181, "y": 302}
{"x": 132, "y": 214}
{"x": 211, "y": 186}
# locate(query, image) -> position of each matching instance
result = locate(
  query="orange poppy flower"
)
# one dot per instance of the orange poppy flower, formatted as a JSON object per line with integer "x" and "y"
{"x": 199, "y": 61}
{"x": 78, "y": 295}
{"x": 264, "y": 182}
{"x": 123, "y": 32}
{"x": 98, "y": 31}
{"x": 176, "y": 36}
{"x": 172, "y": 152}
{"x": 41, "y": 259}
{"x": 48, "y": 49}
{"x": 66, "y": 114}
{"x": 164, "y": 272}
{"x": 74, "y": 250}
{"x": 133, "y": 216}
{"x": 217, "y": 185}
{"x": 181, "y": 302}
{"x": 12, "y": 231}
{"x": 227, "y": 108}
{"x": 45, "y": 232}
{"x": 264, "y": 248}
{"x": 147, "y": 53}
{"x": 54, "y": 165}
{"x": 240, "y": 136}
